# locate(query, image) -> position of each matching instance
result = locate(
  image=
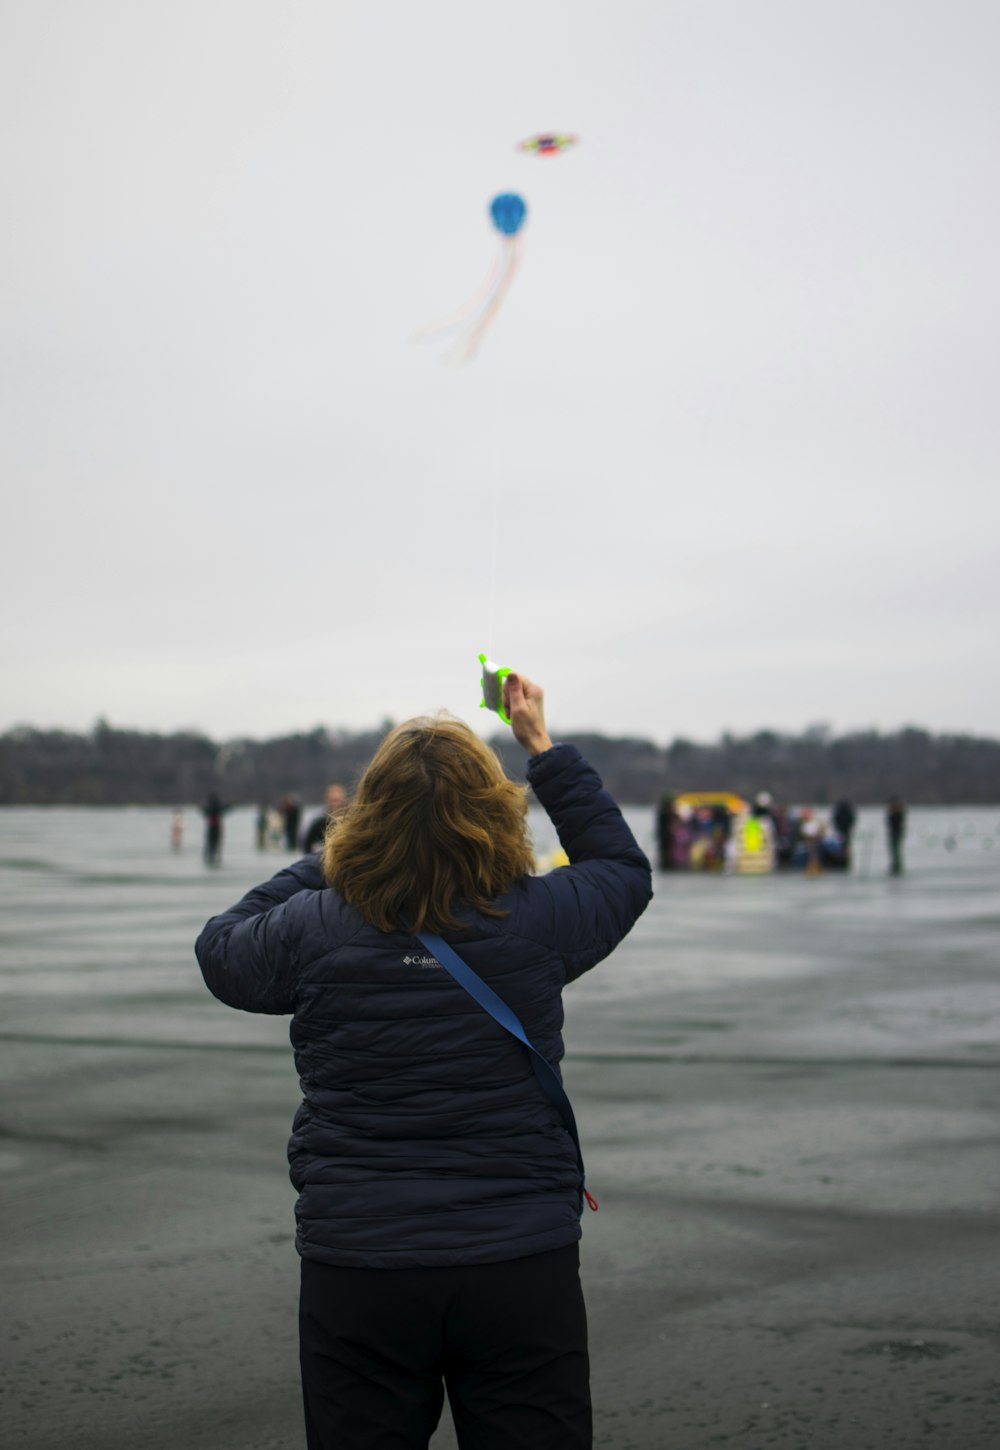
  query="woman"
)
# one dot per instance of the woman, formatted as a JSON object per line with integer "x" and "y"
{"x": 438, "y": 1215}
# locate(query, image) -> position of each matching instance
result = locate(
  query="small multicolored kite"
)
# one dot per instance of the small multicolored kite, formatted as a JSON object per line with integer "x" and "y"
{"x": 549, "y": 144}
{"x": 507, "y": 212}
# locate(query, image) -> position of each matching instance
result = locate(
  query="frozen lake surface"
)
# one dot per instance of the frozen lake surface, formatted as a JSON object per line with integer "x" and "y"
{"x": 787, "y": 1090}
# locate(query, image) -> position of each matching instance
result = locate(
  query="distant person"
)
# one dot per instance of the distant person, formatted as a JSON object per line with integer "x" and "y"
{"x": 763, "y": 805}
{"x": 811, "y": 834}
{"x": 177, "y": 829}
{"x": 683, "y": 837}
{"x": 440, "y": 1193}
{"x": 666, "y": 824}
{"x": 260, "y": 825}
{"x": 720, "y": 833}
{"x": 213, "y": 810}
{"x": 336, "y": 803}
{"x": 722, "y": 825}
{"x": 750, "y": 845}
{"x": 784, "y": 834}
{"x": 844, "y": 821}
{"x": 291, "y": 812}
{"x": 895, "y": 825}
{"x": 702, "y": 853}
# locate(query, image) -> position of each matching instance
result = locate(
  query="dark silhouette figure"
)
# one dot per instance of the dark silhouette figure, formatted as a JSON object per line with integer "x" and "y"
{"x": 844, "y": 817}
{"x": 260, "y": 826}
{"x": 844, "y": 820}
{"x": 291, "y": 815}
{"x": 785, "y": 828}
{"x": 336, "y": 801}
{"x": 722, "y": 823}
{"x": 895, "y": 825}
{"x": 213, "y": 810}
{"x": 666, "y": 820}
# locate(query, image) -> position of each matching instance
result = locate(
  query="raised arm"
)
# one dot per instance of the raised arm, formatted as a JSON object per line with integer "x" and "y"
{"x": 247, "y": 954}
{"x": 594, "y": 902}
{"x": 590, "y": 905}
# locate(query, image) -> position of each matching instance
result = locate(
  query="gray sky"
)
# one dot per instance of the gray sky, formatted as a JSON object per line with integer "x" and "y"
{"x": 740, "y": 408}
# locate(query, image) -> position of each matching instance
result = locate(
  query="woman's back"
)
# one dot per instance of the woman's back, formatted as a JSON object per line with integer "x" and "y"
{"x": 423, "y": 1137}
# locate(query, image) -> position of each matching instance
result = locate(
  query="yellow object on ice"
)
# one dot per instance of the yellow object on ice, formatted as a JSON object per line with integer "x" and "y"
{"x": 753, "y": 847}
{"x": 753, "y": 836}
{"x": 551, "y": 861}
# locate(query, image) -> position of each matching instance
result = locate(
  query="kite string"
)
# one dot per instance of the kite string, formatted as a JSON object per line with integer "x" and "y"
{"x": 494, "y": 531}
{"x": 498, "y": 433}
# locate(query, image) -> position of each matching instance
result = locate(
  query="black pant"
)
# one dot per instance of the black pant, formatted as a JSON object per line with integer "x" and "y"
{"x": 509, "y": 1340}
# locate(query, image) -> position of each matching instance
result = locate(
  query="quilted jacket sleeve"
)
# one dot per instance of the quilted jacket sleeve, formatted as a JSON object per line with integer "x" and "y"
{"x": 585, "y": 909}
{"x": 247, "y": 954}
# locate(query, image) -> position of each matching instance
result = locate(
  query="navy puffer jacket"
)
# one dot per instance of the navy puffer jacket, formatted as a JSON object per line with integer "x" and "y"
{"x": 423, "y": 1137}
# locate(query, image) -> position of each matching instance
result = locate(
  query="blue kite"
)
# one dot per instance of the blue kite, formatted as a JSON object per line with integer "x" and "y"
{"x": 508, "y": 213}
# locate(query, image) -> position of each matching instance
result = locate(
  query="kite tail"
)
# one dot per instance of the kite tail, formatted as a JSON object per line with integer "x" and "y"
{"x": 510, "y": 261}
{"x": 481, "y": 298}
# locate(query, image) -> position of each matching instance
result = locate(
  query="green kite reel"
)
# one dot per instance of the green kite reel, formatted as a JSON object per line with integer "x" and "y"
{"x": 493, "y": 678}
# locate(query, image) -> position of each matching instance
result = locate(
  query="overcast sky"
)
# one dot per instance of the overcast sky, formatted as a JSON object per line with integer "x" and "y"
{"x": 739, "y": 411}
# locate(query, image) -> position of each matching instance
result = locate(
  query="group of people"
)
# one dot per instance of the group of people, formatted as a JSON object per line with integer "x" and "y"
{"x": 276, "y": 827}
{"x": 279, "y": 826}
{"x": 729, "y": 835}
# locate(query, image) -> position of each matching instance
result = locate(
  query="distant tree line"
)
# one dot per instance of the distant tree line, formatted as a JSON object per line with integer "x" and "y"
{"x": 108, "y": 766}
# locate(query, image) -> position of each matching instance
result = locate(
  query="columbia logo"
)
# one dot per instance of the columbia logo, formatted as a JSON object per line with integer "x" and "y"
{"x": 421, "y": 962}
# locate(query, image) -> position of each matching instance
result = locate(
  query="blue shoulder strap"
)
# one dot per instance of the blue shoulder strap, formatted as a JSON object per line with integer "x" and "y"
{"x": 546, "y": 1074}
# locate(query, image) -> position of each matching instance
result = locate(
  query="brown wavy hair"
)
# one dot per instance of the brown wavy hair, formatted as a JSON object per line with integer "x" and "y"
{"x": 434, "y": 822}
